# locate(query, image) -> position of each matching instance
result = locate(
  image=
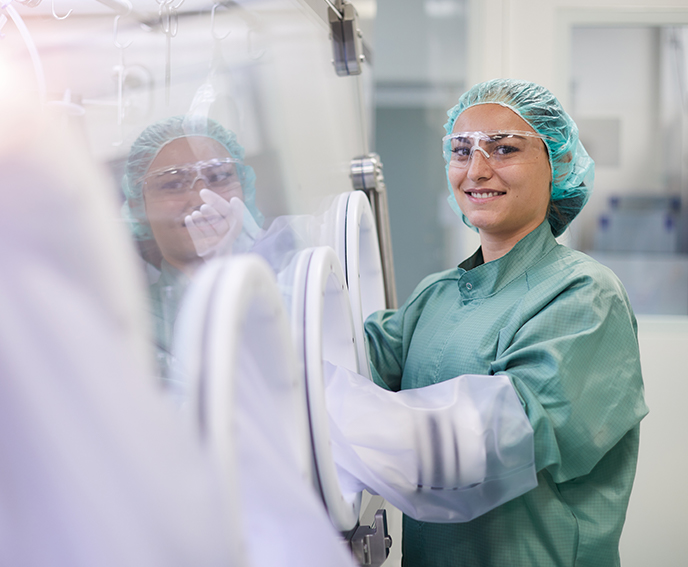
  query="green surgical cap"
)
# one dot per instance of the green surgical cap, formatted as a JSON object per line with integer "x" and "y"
{"x": 147, "y": 146}
{"x": 573, "y": 170}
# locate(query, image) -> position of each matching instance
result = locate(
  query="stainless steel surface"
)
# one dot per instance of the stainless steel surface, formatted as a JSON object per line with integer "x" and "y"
{"x": 347, "y": 44}
{"x": 335, "y": 8}
{"x": 370, "y": 544}
{"x": 366, "y": 175}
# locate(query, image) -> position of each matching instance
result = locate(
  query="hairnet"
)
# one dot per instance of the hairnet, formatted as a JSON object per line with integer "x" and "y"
{"x": 147, "y": 146}
{"x": 573, "y": 170}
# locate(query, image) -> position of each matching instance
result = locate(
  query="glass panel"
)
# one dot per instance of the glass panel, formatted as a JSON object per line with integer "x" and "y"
{"x": 261, "y": 144}
{"x": 628, "y": 99}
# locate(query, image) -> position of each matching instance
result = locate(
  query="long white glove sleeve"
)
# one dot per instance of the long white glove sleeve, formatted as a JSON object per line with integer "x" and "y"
{"x": 443, "y": 453}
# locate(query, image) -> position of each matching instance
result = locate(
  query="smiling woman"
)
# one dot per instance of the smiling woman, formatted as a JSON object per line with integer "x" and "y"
{"x": 189, "y": 197}
{"x": 535, "y": 110}
{"x": 172, "y": 165}
{"x": 503, "y": 192}
{"x": 173, "y": 192}
{"x": 552, "y": 321}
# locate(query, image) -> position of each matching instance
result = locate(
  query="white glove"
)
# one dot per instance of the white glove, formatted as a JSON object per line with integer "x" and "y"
{"x": 443, "y": 453}
{"x": 218, "y": 226}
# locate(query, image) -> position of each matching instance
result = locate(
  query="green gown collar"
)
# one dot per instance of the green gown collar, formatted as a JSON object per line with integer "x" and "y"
{"x": 478, "y": 279}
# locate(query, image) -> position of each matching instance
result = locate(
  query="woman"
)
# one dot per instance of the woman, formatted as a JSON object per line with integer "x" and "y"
{"x": 551, "y": 321}
{"x": 168, "y": 168}
{"x": 189, "y": 197}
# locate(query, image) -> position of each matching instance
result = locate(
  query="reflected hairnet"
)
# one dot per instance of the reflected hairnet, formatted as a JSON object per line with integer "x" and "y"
{"x": 147, "y": 146}
{"x": 573, "y": 170}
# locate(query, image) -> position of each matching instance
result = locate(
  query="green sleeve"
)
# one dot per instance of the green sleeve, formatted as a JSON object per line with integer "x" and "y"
{"x": 385, "y": 348}
{"x": 389, "y": 332}
{"x": 576, "y": 367}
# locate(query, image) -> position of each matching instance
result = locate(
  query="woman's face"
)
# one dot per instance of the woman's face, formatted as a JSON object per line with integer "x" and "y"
{"x": 505, "y": 202}
{"x": 166, "y": 208}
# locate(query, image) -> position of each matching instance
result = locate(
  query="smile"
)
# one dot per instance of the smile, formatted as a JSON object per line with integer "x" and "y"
{"x": 484, "y": 194}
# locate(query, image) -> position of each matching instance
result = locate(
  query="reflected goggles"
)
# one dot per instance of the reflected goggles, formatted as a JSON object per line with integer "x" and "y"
{"x": 217, "y": 174}
{"x": 500, "y": 147}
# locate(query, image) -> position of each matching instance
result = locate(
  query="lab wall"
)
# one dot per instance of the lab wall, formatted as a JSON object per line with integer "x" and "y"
{"x": 408, "y": 136}
{"x": 654, "y": 533}
{"x": 627, "y": 96}
{"x": 604, "y": 86}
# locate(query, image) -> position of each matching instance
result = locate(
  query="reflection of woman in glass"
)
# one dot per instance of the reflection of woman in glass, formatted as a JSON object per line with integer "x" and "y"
{"x": 189, "y": 197}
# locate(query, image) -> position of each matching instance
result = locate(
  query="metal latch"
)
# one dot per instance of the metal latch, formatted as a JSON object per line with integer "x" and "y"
{"x": 347, "y": 40}
{"x": 370, "y": 544}
{"x": 366, "y": 175}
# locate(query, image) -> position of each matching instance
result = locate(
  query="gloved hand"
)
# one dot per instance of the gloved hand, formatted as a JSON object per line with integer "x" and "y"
{"x": 442, "y": 453}
{"x": 219, "y": 225}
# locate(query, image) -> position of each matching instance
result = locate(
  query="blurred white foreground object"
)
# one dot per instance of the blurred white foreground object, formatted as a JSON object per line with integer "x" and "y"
{"x": 97, "y": 469}
{"x": 323, "y": 331}
{"x": 350, "y": 230}
{"x": 248, "y": 398}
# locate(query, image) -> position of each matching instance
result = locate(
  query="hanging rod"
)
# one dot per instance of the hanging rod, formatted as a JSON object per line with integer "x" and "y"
{"x": 122, "y": 7}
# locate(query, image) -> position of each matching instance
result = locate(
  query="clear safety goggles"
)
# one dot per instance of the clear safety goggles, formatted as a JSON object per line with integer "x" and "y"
{"x": 217, "y": 174}
{"x": 500, "y": 147}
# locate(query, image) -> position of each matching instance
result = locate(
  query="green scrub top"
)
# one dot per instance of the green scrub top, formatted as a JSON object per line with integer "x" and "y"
{"x": 560, "y": 326}
{"x": 165, "y": 297}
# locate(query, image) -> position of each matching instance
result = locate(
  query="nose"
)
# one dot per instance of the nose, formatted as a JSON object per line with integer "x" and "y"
{"x": 204, "y": 182}
{"x": 479, "y": 165}
{"x": 193, "y": 193}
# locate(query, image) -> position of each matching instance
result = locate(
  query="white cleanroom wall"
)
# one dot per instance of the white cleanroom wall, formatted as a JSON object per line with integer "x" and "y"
{"x": 655, "y": 527}
{"x": 626, "y": 96}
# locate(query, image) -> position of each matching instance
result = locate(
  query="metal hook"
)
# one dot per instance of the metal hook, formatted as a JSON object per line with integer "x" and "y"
{"x": 168, "y": 5}
{"x": 130, "y": 8}
{"x": 169, "y": 20}
{"x": 118, "y": 45}
{"x": 212, "y": 25}
{"x": 55, "y": 14}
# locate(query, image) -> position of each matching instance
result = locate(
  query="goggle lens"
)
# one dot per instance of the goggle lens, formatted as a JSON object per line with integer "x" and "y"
{"x": 217, "y": 174}
{"x": 502, "y": 148}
